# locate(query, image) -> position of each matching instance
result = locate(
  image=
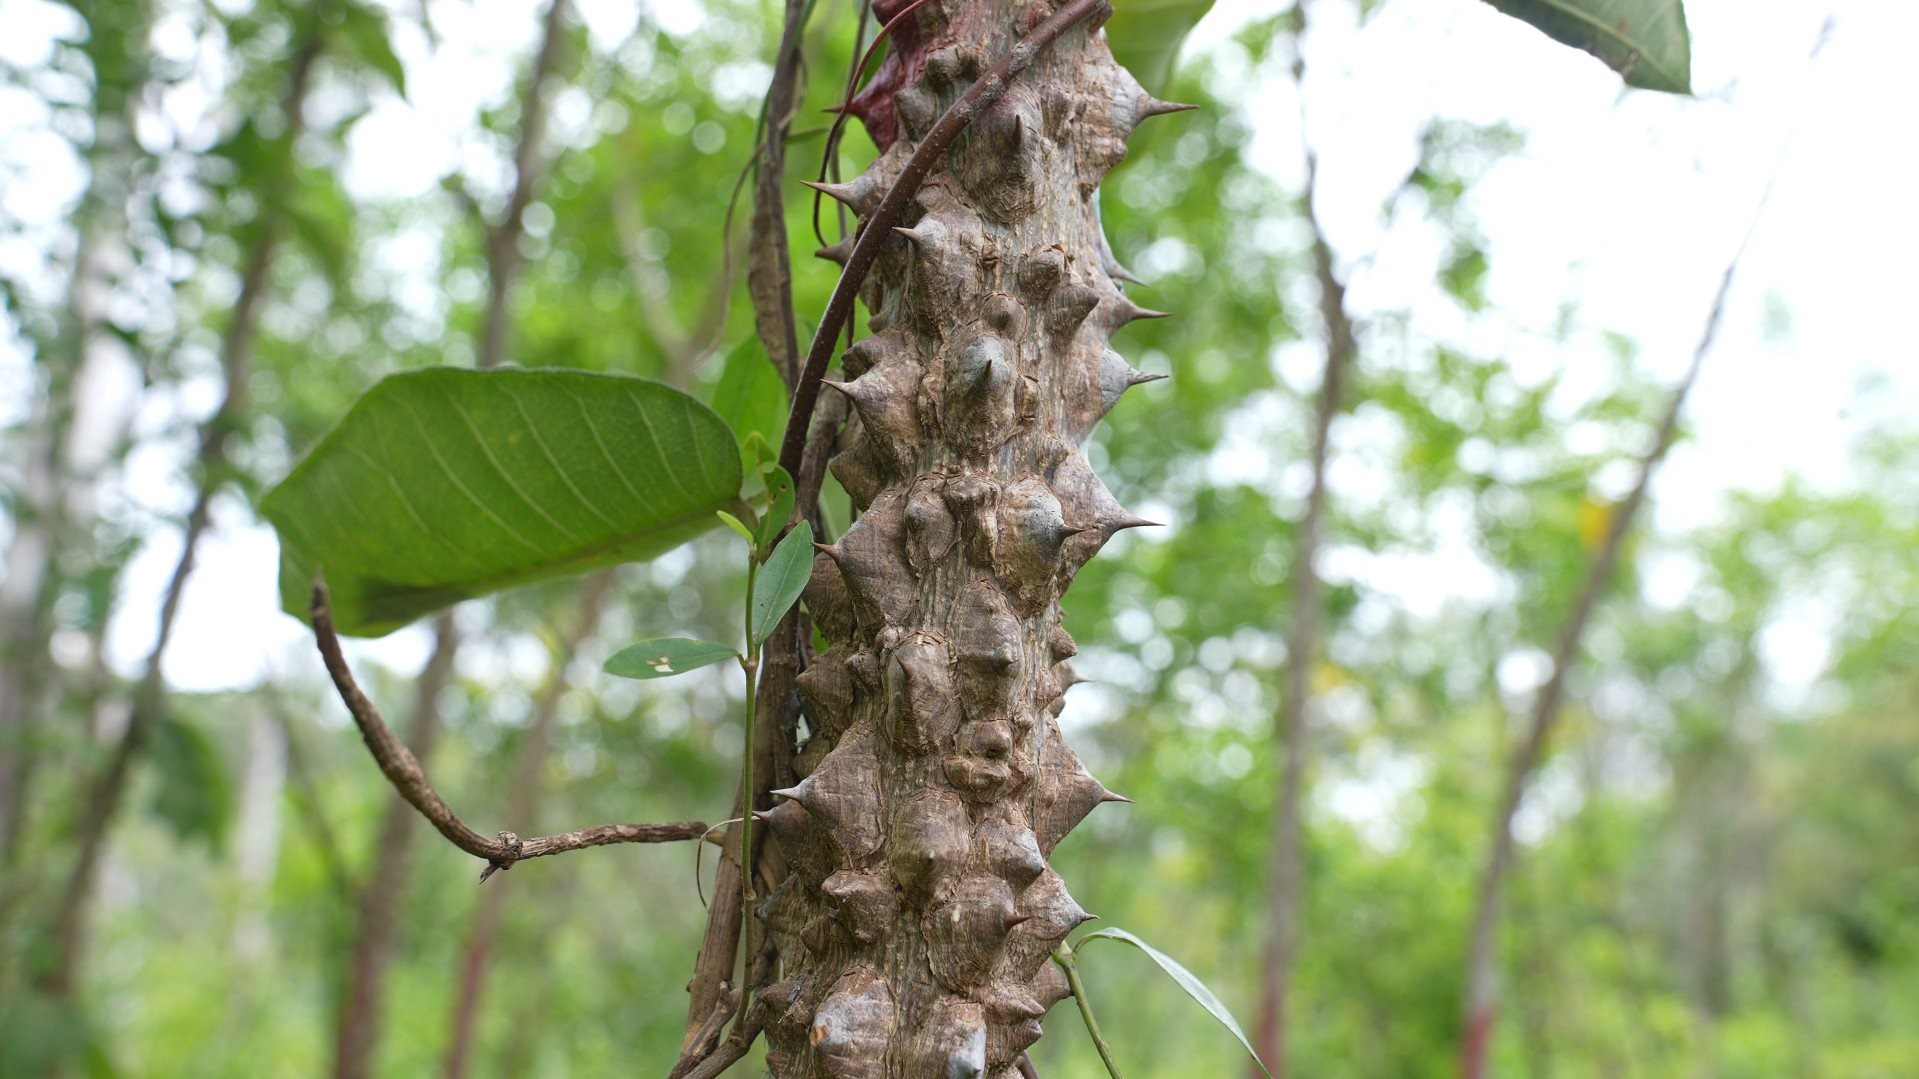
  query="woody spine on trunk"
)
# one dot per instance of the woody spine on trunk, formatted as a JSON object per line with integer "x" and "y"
{"x": 918, "y": 911}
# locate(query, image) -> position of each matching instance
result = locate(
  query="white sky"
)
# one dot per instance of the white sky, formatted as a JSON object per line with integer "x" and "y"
{"x": 1628, "y": 204}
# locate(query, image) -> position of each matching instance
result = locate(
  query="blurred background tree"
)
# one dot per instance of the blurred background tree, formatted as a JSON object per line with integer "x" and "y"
{"x": 221, "y": 222}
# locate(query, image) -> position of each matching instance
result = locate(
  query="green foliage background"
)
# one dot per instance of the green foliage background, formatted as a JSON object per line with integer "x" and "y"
{"x": 1720, "y": 872}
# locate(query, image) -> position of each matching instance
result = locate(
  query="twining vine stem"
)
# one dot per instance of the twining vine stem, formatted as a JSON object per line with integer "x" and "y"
{"x": 750, "y": 663}
{"x": 402, "y": 769}
{"x": 1067, "y": 961}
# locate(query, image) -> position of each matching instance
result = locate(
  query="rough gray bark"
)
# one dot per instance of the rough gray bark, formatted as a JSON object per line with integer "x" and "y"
{"x": 918, "y": 911}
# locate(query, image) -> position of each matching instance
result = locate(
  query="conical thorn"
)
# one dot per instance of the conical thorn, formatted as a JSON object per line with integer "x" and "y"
{"x": 1128, "y": 311}
{"x": 838, "y": 252}
{"x": 855, "y": 194}
{"x": 1150, "y": 106}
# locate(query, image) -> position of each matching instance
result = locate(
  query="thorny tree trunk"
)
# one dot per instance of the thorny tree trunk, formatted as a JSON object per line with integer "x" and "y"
{"x": 918, "y": 913}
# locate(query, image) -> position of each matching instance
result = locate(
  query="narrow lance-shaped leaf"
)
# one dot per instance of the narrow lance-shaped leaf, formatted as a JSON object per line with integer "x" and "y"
{"x": 1187, "y": 981}
{"x": 448, "y": 483}
{"x": 1646, "y": 41}
{"x": 782, "y": 579}
{"x": 666, "y": 656}
{"x": 738, "y": 526}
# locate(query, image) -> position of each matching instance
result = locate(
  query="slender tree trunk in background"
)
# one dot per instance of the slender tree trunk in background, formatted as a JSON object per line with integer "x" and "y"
{"x": 256, "y": 856}
{"x": 918, "y": 914}
{"x": 1482, "y": 960}
{"x": 503, "y": 258}
{"x": 43, "y": 518}
{"x": 107, "y": 793}
{"x": 522, "y": 805}
{"x": 377, "y": 909}
{"x": 29, "y": 588}
{"x": 1302, "y": 640}
{"x": 1302, "y": 637}
{"x": 361, "y": 1022}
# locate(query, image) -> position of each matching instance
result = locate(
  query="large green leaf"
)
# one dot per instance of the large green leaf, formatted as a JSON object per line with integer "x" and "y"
{"x": 1187, "y": 980}
{"x": 1644, "y": 40}
{"x": 448, "y": 483}
{"x": 1145, "y": 36}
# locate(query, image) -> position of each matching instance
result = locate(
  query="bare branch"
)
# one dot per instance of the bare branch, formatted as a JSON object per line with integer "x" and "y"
{"x": 403, "y": 770}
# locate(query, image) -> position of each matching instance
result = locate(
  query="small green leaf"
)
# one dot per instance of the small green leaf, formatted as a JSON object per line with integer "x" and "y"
{"x": 1645, "y": 41}
{"x": 782, "y": 579}
{"x": 665, "y": 656}
{"x": 779, "y": 497}
{"x": 1186, "y": 979}
{"x": 1146, "y": 35}
{"x": 737, "y": 525}
{"x": 447, "y": 483}
{"x": 751, "y": 397}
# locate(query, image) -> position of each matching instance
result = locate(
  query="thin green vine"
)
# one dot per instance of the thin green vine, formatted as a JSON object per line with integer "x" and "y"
{"x": 1065, "y": 957}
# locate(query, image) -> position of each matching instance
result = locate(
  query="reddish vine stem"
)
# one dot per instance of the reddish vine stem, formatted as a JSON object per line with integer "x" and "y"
{"x": 402, "y": 769}
{"x": 840, "y": 112}
{"x": 977, "y": 99}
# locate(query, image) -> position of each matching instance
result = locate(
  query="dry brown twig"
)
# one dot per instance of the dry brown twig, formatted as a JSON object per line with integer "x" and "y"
{"x": 403, "y": 770}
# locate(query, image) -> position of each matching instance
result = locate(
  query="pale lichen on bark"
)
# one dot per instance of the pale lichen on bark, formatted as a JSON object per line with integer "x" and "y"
{"x": 918, "y": 909}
